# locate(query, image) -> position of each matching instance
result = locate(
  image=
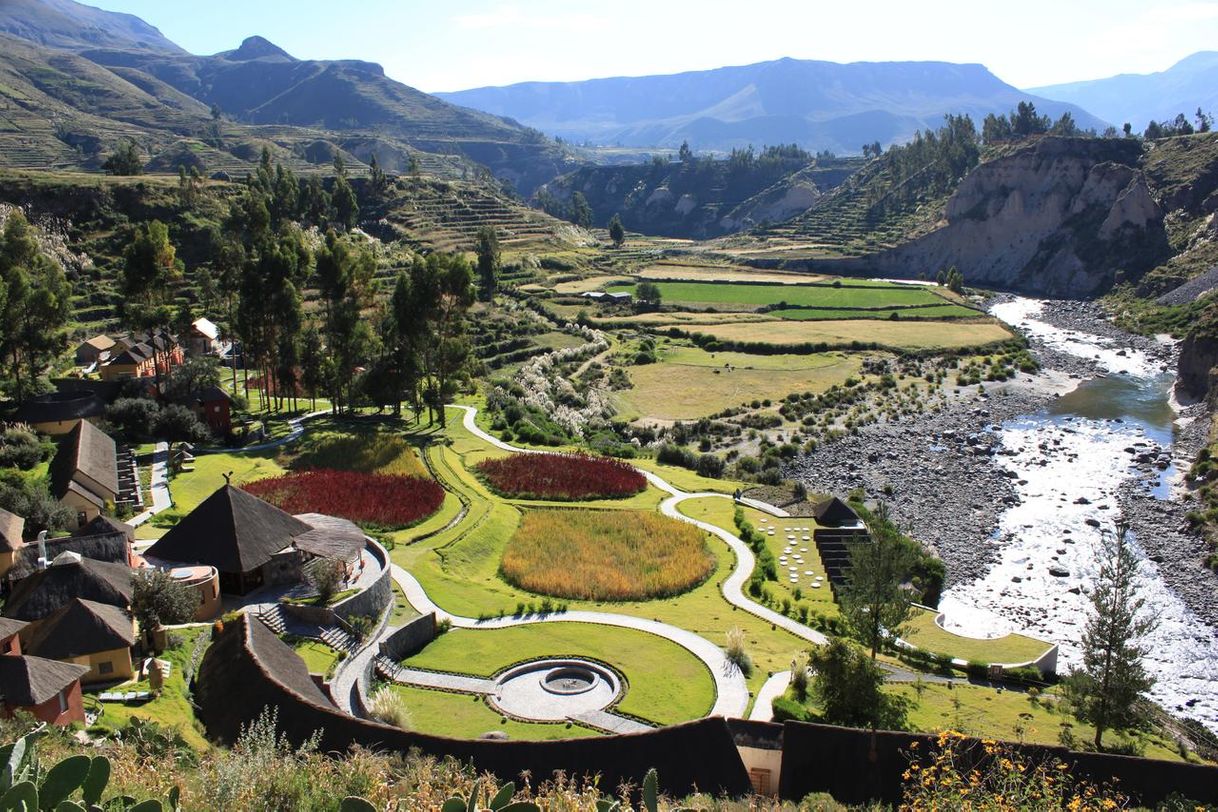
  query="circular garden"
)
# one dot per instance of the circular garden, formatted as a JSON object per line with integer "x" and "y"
{"x": 561, "y": 477}
{"x": 383, "y": 501}
{"x": 605, "y": 555}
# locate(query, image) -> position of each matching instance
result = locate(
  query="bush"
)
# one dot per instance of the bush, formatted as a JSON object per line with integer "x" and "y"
{"x": 20, "y": 448}
{"x": 788, "y": 709}
{"x": 382, "y": 500}
{"x": 388, "y": 706}
{"x": 561, "y": 476}
{"x": 736, "y": 651}
{"x": 325, "y": 576}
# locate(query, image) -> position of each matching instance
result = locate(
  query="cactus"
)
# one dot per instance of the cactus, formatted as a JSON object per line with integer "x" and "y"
{"x": 354, "y": 804}
{"x": 502, "y": 802}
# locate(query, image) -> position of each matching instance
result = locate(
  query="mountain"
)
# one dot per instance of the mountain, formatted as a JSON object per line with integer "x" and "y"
{"x": 1139, "y": 98}
{"x": 84, "y": 80}
{"x": 818, "y": 105}
{"x": 70, "y": 25}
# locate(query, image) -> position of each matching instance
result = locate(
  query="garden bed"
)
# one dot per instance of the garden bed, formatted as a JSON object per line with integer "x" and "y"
{"x": 380, "y": 500}
{"x": 613, "y": 555}
{"x": 565, "y": 477}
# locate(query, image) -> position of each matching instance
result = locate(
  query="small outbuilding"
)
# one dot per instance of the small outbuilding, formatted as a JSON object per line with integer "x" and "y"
{"x": 57, "y": 413}
{"x": 46, "y": 689}
{"x": 202, "y": 337}
{"x": 94, "y": 350}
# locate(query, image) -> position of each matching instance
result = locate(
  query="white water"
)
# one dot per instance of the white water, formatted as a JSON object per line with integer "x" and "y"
{"x": 1087, "y": 459}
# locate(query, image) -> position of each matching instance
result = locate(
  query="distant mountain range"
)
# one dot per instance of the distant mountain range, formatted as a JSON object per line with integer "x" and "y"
{"x": 818, "y": 105}
{"x": 1139, "y": 98}
{"x": 76, "y": 81}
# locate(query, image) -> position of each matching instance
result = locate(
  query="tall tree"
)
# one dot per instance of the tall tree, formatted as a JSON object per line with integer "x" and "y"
{"x": 849, "y": 687}
{"x": 489, "y": 260}
{"x": 344, "y": 274}
{"x": 581, "y": 212}
{"x": 157, "y": 599}
{"x": 876, "y": 604}
{"x": 1105, "y": 691}
{"x": 150, "y": 268}
{"x": 617, "y": 232}
{"x": 444, "y": 285}
{"x": 34, "y": 304}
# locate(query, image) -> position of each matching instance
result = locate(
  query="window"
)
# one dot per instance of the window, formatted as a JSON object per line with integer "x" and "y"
{"x": 63, "y": 701}
{"x": 105, "y": 668}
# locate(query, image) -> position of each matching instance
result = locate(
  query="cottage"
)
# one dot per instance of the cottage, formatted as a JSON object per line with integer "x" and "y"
{"x": 84, "y": 472}
{"x": 134, "y": 362}
{"x": 201, "y": 338}
{"x": 46, "y": 689}
{"x": 12, "y": 528}
{"x": 98, "y": 636}
{"x": 252, "y": 543}
{"x": 95, "y": 350}
{"x": 213, "y": 406}
{"x": 248, "y": 540}
{"x": 69, "y": 576}
{"x": 57, "y": 413}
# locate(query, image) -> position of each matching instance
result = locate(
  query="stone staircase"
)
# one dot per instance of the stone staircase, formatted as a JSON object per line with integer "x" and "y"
{"x": 274, "y": 619}
{"x": 339, "y": 640}
{"x": 387, "y": 668}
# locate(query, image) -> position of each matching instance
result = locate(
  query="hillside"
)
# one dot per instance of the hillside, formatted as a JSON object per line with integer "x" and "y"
{"x": 76, "y": 82}
{"x": 699, "y": 197}
{"x": 818, "y": 105}
{"x": 1140, "y": 98}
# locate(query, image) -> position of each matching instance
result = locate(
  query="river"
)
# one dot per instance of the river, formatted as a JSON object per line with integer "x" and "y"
{"x": 1067, "y": 464}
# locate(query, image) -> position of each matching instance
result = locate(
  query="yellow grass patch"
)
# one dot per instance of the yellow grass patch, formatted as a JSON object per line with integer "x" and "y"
{"x": 591, "y": 283}
{"x": 723, "y": 273}
{"x": 613, "y": 555}
{"x": 906, "y": 334}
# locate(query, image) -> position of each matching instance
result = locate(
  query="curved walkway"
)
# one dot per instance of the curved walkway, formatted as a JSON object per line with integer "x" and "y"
{"x": 733, "y": 590}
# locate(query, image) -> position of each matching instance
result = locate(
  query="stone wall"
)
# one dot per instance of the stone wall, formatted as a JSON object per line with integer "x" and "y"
{"x": 410, "y": 638}
{"x": 376, "y": 598}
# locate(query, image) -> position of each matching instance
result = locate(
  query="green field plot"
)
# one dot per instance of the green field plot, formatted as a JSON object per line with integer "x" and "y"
{"x": 851, "y": 294}
{"x": 690, "y": 383}
{"x": 1012, "y": 649}
{"x": 912, "y": 335}
{"x": 937, "y": 311}
{"x": 666, "y": 683}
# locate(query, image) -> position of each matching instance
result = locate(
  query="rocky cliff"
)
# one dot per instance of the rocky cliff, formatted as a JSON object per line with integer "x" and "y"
{"x": 1195, "y": 377}
{"x": 1060, "y": 217}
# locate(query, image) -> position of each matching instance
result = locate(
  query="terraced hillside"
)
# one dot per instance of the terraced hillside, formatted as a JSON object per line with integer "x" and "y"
{"x": 446, "y": 215}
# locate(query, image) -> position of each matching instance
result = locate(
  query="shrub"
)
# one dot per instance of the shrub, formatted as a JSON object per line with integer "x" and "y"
{"x": 736, "y": 652}
{"x": 605, "y": 555}
{"x": 382, "y": 500}
{"x": 788, "y": 709}
{"x": 20, "y": 448}
{"x": 388, "y": 706}
{"x": 561, "y": 476}
{"x": 325, "y": 576}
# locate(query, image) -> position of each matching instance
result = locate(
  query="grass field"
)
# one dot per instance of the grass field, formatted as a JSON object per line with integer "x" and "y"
{"x": 189, "y": 489}
{"x": 666, "y": 684}
{"x": 1012, "y": 649}
{"x": 916, "y": 335}
{"x": 320, "y": 658}
{"x": 605, "y": 555}
{"x": 463, "y": 716}
{"x": 849, "y": 295}
{"x": 690, "y": 383}
{"x": 350, "y": 446}
{"x": 936, "y": 311}
{"x": 693, "y": 272}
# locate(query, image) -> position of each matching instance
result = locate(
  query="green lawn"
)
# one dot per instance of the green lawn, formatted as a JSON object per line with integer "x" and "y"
{"x": 320, "y": 658}
{"x": 402, "y": 610}
{"x": 464, "y": 716}
{"x": 1011, "y": 649}
{"x": 190, "y": 489}
{"x": 173, "y": 707}
{"x": 666, "y": 683}
{"x": 850, "y": 294}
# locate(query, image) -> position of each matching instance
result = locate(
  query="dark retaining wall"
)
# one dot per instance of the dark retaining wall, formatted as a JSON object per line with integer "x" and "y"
{"x": 410, "y": 638}
{"x": 838, "y": 760}
{"x": 244, "y": 672}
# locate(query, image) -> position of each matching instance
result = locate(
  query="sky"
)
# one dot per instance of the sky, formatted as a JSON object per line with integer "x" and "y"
{"x": 458, "y": 44}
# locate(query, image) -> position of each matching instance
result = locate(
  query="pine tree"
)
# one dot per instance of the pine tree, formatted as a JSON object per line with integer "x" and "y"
{"x": 488, "y": 263}
{"x": 1105, "y": 690}
{"x": 617, "y": 232}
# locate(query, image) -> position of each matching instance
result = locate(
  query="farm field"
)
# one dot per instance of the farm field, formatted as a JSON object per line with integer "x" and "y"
{"x": 666, "y": 683}
{"x": 561, "y": 476}
{"x": 689, "y": 383}
{"x": 693, "y": 272}
{"x": 851, "y": 294}
{"x": 463, "y": 716}
{"x": 576, "y": 286}
{"x": 380, "y": 500}
{"x": 914, "y": 335}
{"x": 934, "y": 311}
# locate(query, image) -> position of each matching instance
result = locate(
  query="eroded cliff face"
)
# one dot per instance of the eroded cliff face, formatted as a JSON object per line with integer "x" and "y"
{"x": 1062, "y": 217}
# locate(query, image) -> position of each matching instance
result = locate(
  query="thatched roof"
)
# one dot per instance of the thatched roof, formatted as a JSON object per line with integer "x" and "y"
{"x": 331, "y": 537}
{"x": 40, "y": 594}
{"x": 9, "y": 627}
{"x": 11, "y": 528}
{"x": 79, "y": 628}
{"x": 27, "y": 681}
{"x": 105, "y": 526}
{"x": 55, "y": 407}
{"x": 89, "y": 451}
{"x": 232, "y": 531}
{"x": 833, "y": 512}
{"x": 109, "y": 547}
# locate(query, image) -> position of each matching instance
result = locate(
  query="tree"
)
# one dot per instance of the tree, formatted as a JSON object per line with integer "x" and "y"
{"x": 616, "y": 231}
{"x": 488, "y": 263}
{"x": 1105, "y": 691}
{"x": 345, "y": 270}
{"x": 126, "y": 160}
{"x": 1127, "y": 128}
{"x": 954, "y": 280}
{"x": 158, "y": 600}
{"x": 192, "y": 376}
{"x": 876, "y": 604}
{"x": 581, "y": 212}
{"x": 310, "y": 364}
{"x": 685, "y": 154}
{"x": 34, "y": 304}
{"x": 1205, "y": 122}
{"x": 326, "y": 576}
{"x": 648, "y": 295}
{"x": 346, "y": 206}
{"x": 376, "y": 176}
{"x": 150, "y": 266}
{"x": 849, "y": 687}
{"x": 413, "y": 167}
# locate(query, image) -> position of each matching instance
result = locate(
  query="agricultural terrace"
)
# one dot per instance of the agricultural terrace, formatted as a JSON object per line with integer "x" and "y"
{"x": 605, "y": 555}
{"x": 675, "y": 270}
{"x": 561, "y": 477}
{"x": 894, "y": 334}
{"x": 688, "y": 382}
{"x": 381, "y": 500}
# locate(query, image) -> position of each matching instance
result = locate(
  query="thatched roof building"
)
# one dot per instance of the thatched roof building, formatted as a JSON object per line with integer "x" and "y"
{"x": 79, "y": 628}
{"x": 69, "y": 576}
{"x": 833, "y": 512}
{"x": 29, "y": 681}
